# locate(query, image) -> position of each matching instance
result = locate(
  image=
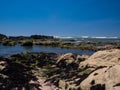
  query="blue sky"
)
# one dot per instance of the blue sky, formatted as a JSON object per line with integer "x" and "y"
{"x": 60, "y": 17}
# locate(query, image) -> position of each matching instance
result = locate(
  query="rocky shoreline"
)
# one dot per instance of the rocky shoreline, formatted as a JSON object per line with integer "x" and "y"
{"x": 50, "y": 71}
{"x": 55, "y": 42}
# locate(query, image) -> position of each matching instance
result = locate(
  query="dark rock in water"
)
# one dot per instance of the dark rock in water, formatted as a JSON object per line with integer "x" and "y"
{"x": 16, "y": 38}
{"x": 2, "y": 36}
{"x": 27, "y": 43}
{"x": 41, "y": 37}
{"x": 9, "y": 43}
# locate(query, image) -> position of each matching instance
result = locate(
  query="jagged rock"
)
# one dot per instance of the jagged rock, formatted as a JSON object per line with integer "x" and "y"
{"x": 68, "y": 58}
{"x": 70, "y": 61}
{"x": 67, "y": 61}
{"x": 107, "y": 78}
{"x": 102, "y": 58}
{"x": 2, "y": 65}
{"x": 97, "y": 72}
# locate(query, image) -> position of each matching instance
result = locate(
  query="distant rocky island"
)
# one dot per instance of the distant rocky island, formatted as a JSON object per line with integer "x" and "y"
{"x": 51, "y": 71}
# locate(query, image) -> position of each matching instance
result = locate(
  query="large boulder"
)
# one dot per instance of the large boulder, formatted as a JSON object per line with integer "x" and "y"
{"x": 70, "y": 61}
{"x": 103, "y": 79}
{"x": 102, "y": 58}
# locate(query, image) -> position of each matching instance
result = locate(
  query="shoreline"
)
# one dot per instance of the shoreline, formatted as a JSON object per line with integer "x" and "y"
{"x": 50, "y": 41}
{"x": 58, "y": 71}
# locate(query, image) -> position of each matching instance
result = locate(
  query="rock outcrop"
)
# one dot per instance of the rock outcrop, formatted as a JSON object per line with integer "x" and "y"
{"x": 102, "y": 58}
{"x": 101, "y": 71}
{"x": 106, "y": 72}
{"x": 16, "y": 71}
{"x": 70, "y": 60}
{"x": 41, "y": 37}
{"x": 66, "y": 59}
{"x": 97, "y": 72}
{"x": 105, "y": 47}
{"x": 103, "y": 79}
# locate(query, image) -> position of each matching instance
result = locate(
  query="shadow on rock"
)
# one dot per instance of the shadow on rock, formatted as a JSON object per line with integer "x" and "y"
{"x": 98, "y": 87}
{"x": 16, "y": 76}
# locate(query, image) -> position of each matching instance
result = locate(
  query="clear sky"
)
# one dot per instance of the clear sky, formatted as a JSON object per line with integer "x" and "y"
{"x": 60, "y": 17}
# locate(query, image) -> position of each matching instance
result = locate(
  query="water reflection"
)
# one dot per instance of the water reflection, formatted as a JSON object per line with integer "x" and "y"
{"x": 10, "y": 50}
{"x": 27, "y": 48}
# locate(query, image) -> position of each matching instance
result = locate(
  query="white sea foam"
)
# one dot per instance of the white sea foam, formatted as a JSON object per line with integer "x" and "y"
{"x": 99, "y": 37}
{"x": 92, "y": 37}
{"x": 84, "y": 36}
{"x": 63, "y": 37}
{"x": 105, "y": 37}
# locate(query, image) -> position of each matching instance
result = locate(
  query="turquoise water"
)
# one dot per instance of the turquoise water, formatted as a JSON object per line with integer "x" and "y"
{"x": 10, "y": 50}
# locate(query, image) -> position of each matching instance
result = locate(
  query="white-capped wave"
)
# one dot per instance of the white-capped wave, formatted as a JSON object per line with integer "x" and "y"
{"x": 84, "y": 36}
{"x": 105, "y": 37}
{"x": 63, "y": 37}
{"x": 92, "y": 37}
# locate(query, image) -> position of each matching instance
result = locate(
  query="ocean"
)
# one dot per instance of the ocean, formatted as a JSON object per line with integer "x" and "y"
{"x": 6, "y": 51}
{"x": 90, "y": 39}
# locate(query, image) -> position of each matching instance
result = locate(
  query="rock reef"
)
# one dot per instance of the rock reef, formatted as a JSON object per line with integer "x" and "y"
{"x": 50, "y": 71}
{"x": 55, "y": 42}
